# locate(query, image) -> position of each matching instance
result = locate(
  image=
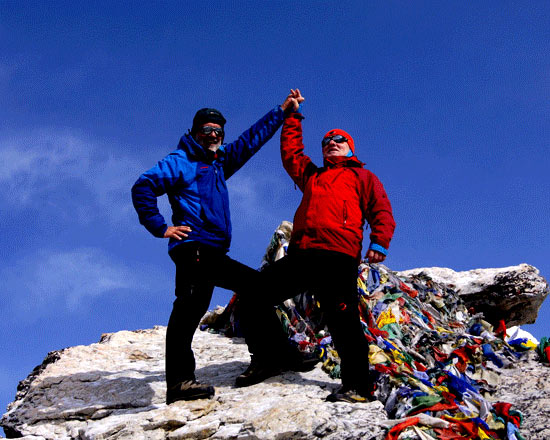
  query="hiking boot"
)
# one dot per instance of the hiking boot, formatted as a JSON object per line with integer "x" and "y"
{"x": 257, "y": 372}
{"x": 188, "y": 390}
{"x": 350, "y": 396}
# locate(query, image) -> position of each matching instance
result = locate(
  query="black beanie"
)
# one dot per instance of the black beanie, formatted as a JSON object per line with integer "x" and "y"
{"x": 205, "y": 115}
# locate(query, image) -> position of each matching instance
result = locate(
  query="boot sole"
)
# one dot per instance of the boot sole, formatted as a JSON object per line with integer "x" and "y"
{"x": 345, "y": 399}
{"x": 190, "y": 396}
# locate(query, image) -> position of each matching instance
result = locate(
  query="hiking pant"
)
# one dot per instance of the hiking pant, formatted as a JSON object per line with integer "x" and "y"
{"x": 199, "y": 268}
{"x": 332, "y": 278}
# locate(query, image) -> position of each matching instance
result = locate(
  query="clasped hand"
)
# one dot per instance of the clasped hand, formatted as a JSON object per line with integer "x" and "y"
{"x": 293, "y": 100}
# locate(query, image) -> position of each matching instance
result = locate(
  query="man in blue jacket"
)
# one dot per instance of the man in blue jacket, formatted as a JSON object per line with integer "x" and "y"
{"x": 194, "y": 178}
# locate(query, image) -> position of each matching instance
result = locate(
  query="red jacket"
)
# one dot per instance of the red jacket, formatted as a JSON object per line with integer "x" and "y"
{"x": 337, "y": 199}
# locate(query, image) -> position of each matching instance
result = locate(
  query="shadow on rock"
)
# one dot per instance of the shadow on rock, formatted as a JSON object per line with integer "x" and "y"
{"x": 224, "y": 375}
{"x": 81, "y": 396}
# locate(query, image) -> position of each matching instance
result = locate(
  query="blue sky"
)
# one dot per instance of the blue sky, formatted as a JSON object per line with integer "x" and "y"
{"x": 448, "y": 105}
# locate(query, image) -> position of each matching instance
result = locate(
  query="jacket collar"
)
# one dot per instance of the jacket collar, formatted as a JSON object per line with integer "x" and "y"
{"x": 188, "y": 144}
{"x": 342, "y": 161}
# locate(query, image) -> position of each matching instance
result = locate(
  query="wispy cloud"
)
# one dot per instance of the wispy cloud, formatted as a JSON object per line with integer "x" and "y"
{"x": 34, "y": 164}
{"x": 255, "y": 197}
{"x": 65, "y": 280}
{"x": 245, "y": 194}
{"x": 82, "y": 179}
{"x": 66, "y": 171}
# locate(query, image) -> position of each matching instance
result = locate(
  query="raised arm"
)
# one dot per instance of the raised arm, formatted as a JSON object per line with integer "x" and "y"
{"x": 240, "y": 151}
{"x": 296, "y": 163}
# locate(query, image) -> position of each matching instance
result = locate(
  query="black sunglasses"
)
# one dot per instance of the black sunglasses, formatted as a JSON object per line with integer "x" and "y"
{"x": 338, "y": 138}
{"x": 207, "y": 130}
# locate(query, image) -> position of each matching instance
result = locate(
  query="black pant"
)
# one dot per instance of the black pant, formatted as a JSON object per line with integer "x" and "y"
{"x": 332, "y": 277}
{"x": 199, "y": 268}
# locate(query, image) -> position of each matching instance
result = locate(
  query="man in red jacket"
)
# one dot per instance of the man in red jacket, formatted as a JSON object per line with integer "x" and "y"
{"x": 323, "y": 257}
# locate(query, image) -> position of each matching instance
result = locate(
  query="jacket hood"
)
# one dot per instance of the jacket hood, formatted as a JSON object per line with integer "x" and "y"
{"x": 188, "y": 144}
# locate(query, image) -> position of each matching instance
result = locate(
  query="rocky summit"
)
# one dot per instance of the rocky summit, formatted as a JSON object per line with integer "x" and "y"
{"x": 115, "y": 389}
{"x": 514, "y": 293}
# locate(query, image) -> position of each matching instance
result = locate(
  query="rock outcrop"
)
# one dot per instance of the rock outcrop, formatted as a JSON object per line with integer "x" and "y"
{"x": 513, "y": 293}
{"x": 115, "y": 389}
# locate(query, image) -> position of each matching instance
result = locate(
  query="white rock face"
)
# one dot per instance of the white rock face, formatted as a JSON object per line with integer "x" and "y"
{"x": 527, "y": 388}
{"x": 115, "y": 389}
{"x": 513, "y": 293}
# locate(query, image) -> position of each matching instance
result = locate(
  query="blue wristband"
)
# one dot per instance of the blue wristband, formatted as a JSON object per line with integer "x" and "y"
{"x": 378, "y": 248}
{"x": 298, "y": 110}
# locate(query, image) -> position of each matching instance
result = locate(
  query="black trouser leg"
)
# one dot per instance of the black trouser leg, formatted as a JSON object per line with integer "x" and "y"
{"x": 193, "y": 295}
{"x": 339, "y": 303}
{"x": 264, "y": 334}
{"x": 332, "y": 277}
{"x": 198, "y": 269}
{"x": 189, "y": 307}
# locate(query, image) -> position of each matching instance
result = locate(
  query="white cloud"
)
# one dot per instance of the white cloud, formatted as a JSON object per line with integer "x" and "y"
{"x": 244, "y": 193}
{"x": 34, "y": 164}
{"x": 46, "y": 280}
{"x": 82, "y": 180}
{"x": 253, "y": 196}
{"x": 65, "y": 170}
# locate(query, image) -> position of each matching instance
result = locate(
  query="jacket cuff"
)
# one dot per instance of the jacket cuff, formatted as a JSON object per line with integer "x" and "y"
{"x": 378, "y": 248}
{"x": 299, "y": 110}
{"x": 159, "y": 232}
{"x": 294, "y": 115}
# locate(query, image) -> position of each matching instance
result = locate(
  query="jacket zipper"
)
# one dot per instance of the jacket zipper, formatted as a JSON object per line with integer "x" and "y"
{"x": 345, "y": 212}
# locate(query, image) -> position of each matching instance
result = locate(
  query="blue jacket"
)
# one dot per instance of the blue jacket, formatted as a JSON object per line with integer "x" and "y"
{"x": 194, "y": 181}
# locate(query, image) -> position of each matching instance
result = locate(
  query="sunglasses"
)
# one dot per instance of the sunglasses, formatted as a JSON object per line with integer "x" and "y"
{"x": 338, "y": 138}
{"x": 207, "y": 130}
